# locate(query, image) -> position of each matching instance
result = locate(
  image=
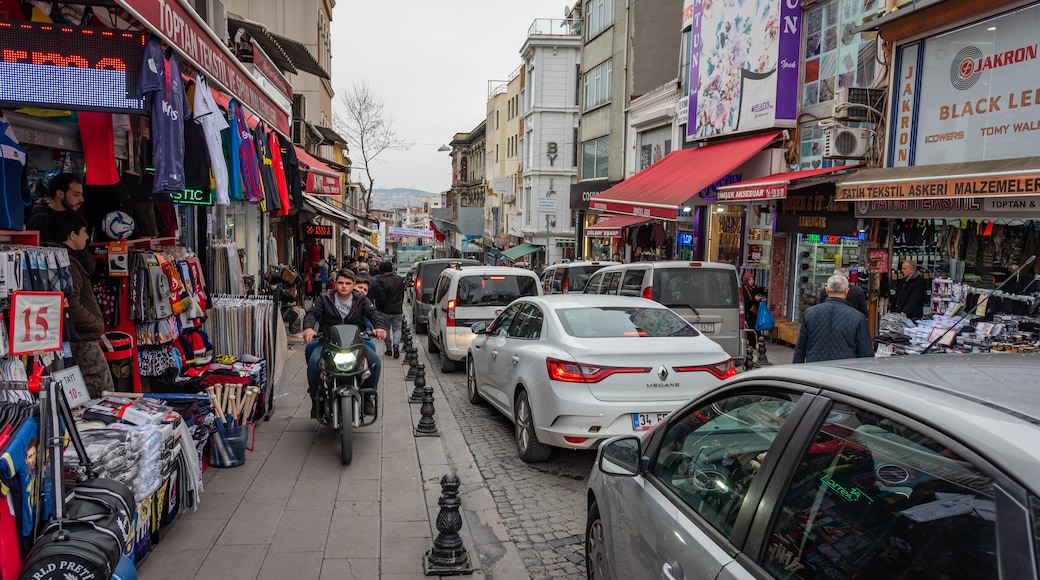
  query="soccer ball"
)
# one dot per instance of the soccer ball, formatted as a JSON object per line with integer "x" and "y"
{"x": 118, "y": 225}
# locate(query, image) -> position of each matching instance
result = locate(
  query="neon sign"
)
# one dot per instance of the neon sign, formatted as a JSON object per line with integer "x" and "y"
{"x": 56, "y": 66}
{"x": 824, "y": 239}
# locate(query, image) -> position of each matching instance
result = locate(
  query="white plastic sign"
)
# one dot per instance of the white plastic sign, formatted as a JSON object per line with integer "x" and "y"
{"x": 36, "y": 319}
{"x": 71, "y": 381}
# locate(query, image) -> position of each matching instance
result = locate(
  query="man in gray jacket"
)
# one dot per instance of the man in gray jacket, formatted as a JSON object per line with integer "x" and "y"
{"x": 833, "y": 330}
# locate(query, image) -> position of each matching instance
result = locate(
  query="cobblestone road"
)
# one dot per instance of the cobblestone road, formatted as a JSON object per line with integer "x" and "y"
{"x": 542, "y": 505}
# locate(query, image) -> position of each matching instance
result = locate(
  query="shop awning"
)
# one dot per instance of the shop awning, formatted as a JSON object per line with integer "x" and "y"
{"x": 330, "y": 135}
{"x": 471, "y": 248}
{"x": 660, "y": 189}
{"x": 445, "y": 226}
{"x": 325, "y": 209}
{"x": 773, "y": 186}
{"x": 611, "y": 227}
{"x": 321, "y": 179}
{"x": 520, "y": 251}
{"x": 998, "y": 178}
{"x": 286, "y": 52}
{"x": 361, "y": 240}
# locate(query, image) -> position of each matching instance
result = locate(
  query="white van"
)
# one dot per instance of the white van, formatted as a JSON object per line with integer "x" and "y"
{"x": 706, "y": 294}
{"x": 469, "y": 294}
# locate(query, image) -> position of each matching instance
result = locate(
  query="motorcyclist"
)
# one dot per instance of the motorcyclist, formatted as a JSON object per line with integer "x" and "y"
{"x": 344, "y": 306}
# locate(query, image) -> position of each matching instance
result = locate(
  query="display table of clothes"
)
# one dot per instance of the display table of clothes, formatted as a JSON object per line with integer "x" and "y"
{"x": 958, "y": 334}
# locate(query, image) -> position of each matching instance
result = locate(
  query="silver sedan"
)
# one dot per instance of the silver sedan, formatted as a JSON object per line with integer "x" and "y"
{"x": 572, "y": 370}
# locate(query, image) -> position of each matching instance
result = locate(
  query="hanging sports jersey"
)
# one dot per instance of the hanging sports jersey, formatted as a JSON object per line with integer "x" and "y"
{"x": 212, "y": 121}
{"x": 97, "y": 134}
{"x": 243, "y": 150}
{"x": 13, "y": 184}
{"x": 274, "y": 147}
{"x": 161, "y": 75}
{"x": 271, "y": 199}
{"x": 293, "y": 178}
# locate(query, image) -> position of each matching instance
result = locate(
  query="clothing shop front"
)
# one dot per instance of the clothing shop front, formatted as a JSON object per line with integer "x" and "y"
{"x": 676, "y": 197}
{"x": 132, "y": 100}
{"x": 956, "y": 197}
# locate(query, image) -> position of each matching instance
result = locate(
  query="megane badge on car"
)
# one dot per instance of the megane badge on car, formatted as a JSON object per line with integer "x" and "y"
{"x": 662, "y": 373}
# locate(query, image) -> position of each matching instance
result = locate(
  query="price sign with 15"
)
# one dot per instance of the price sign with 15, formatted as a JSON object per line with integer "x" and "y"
{"x": 36, "y": 322}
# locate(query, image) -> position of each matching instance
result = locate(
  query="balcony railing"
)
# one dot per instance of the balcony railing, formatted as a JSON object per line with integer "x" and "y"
{"x": 555, "y": 27}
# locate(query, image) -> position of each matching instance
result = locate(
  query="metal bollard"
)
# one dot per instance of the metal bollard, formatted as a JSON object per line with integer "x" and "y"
{"x": 420, "y": 385}
{"x": 762, "y": 360}
{"x": 413, "y": 362}
{"x": 427, "y": 424}
{"x": 448, "y": 556}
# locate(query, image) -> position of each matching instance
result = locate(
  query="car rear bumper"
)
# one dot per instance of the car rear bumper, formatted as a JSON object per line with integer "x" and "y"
{"x": 456, "y": 342}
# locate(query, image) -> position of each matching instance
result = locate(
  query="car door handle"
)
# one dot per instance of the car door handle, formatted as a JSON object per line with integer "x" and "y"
{"x": 673, "y": 571}
{"x": 515, "y": 359}
{"x": 494, "y": 354}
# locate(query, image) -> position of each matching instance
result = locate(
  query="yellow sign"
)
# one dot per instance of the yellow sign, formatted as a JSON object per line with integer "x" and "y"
{"x": 943, "y": 187}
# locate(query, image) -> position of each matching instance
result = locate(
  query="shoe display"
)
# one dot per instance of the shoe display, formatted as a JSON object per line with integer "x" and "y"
{"x": 397, "y": 351}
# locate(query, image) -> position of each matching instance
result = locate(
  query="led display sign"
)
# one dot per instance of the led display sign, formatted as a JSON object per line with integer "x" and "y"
{"x": 192, "y": 196}
{"x": 316, "y": 231}
{"x": 56, "y": 66}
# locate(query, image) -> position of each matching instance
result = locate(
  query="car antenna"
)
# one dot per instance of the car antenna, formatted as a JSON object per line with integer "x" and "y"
{"x": 1014, "y": 276}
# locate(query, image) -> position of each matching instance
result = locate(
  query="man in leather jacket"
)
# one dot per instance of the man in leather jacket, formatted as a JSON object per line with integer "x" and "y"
{"x": 344, "y": 306}
{"x": 390, "y": 301}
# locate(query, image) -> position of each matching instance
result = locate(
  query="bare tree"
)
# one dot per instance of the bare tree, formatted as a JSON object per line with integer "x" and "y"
{"x": 368, "y": 129}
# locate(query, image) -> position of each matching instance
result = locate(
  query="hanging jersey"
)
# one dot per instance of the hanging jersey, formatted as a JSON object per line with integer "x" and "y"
{"x": 243, "y": 149}
{"x": 212, "y": 121}
{"x": 271, "y": 198}
{"x": 161, "y": 76}
{"x": 13, "y": 184}
{"x": 279, "y": 172}
{"x": 98, "y": 137}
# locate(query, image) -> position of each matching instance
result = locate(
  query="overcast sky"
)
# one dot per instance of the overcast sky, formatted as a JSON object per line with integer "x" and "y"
{"x": 430, "y": 62}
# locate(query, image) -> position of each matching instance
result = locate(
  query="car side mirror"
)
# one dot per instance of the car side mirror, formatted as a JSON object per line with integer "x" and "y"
{"x": 620, "y": 456}
{"x": 479, "y": 328}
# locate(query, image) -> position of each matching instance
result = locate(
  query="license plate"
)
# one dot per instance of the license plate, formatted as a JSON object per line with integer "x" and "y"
{"x": 704, "y": 326}
{"x": 646, "y": 421}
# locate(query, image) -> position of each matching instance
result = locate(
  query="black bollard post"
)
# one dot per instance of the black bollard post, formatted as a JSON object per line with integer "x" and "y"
{"x": 427, "y": 424}
{"x": 420, "y": 385}
{"x": 448, "y": 556}
{"x": 762, "y": 360}
{"x": 413, "y": 363}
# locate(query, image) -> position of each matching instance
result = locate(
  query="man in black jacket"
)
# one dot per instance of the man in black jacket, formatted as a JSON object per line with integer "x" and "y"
{"x": 390, "y": 301}
{"x": 856, "y": 297}
{"x": 344, "y": 306}
{"x": 912, "y": 293}
{"x": 833, "y": 330}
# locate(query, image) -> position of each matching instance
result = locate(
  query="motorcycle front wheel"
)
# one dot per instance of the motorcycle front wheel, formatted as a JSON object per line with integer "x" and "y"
{"x": 346, "y": 429}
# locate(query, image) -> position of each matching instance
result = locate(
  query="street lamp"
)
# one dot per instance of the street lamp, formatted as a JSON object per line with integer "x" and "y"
{"x": 443, "y": 148}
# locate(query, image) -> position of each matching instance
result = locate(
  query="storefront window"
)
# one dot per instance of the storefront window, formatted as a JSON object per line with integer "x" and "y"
{"x": 726, "y": 232}
{"x": 653, "y": 145}
{"x": 817, "y": 257}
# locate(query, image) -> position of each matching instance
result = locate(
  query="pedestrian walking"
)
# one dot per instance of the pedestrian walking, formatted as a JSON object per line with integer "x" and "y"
{"x": 833, "y": 330}
{"x": 856, "y": 298}
{"x": 390, "y": 302}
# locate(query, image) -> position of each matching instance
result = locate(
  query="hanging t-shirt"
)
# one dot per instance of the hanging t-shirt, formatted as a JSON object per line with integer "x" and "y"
{"x": 196, "y": 160}
{"x": 209, "y": 116}
{"x": 161, "y": 75}
{"x": 293, "y": 178}
{"x": 14, "y": 186}
{"x": 99, "y": 155}
{"x": 271, "y": 198}
{"x": 243, "y": 149}
{"x": 278, "y": 166}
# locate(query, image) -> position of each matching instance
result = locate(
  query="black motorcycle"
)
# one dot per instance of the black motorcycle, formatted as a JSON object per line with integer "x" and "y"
{"x": 343, "y": 367}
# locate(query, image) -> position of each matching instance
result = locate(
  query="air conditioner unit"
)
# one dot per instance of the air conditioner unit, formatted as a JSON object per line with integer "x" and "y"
{"x": 846, "y": 97}
{"x": 299, "y": 131}
{"x": 299, "y": 106}
{"x": 846, "y": 143}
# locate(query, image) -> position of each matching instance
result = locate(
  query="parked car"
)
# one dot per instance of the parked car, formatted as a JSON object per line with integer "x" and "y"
{"x": 707, "y": 294}
{"x": 570, "y": 276}
{"x": 572, "y": 370}
{"x": 424, "y": 278}
{"x": 467, "y": 295}
{"x": 905, "y": 467}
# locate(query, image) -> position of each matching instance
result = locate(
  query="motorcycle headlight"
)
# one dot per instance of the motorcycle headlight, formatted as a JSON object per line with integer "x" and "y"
{"x": 344, "y": 359}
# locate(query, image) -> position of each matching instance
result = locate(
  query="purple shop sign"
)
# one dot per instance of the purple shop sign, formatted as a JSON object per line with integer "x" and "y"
{"x": 695, "y": 66}
{"x": 787, "y": 64}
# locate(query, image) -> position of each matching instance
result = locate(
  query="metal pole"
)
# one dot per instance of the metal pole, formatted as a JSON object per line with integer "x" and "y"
{"x": 546, "y": 239}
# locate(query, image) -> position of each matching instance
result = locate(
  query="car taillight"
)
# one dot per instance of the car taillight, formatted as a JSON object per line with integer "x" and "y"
{"x": 418, "y": 288}
{"x": 572, "y": 372}
{"x": 648, "y": 292}
{"x": 722, "y": 370}
{"x": 450, "y": 320}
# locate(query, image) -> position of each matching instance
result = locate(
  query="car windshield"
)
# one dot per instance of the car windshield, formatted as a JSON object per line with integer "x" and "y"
{"x": 696, "y": 287}
{"x": 495, "y": 290}
{"x": 623, "y": 321}
{"x": 579, "y": 276}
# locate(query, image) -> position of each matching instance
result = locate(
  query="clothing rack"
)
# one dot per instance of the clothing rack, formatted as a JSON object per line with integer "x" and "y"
{"x": 225, "y": 270}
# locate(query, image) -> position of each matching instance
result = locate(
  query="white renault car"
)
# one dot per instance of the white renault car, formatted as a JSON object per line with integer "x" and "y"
{"x": 571, "y": 370}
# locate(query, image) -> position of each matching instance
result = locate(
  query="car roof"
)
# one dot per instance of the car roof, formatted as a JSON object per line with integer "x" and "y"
{"x": 557, "y": 301}
{"x": 467, "y": 270}
{"x": 583, "y": 263}
{"x": 437, "y": 261}
{"x": 675, "y": 264}
{"x": 990, "y": 402}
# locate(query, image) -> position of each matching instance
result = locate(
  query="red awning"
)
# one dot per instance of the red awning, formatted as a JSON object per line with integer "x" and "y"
{"x": 660, "y": 189}
{"x": 611, "y": 227}
{"x": 321, "y": 179}
{"x": 773, "y": 186}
